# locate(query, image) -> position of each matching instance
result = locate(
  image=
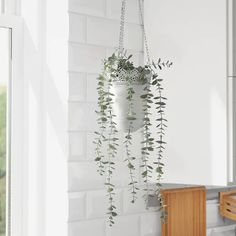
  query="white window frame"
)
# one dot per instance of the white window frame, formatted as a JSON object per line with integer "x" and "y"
{"x": 15, "y": 199}
{"x": 10, "y": 7}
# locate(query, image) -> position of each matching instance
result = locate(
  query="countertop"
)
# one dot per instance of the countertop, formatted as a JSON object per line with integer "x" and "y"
{"x": 212, "y": 191}
{"x": 209, "y": 188}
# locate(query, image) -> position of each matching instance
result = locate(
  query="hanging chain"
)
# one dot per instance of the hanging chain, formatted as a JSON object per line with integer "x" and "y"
{"x": 141, "y": 10}
{"x": 122, "y": 26}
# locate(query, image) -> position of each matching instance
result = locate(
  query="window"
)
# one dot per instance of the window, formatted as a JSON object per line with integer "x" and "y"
{"x": 1, "y": 6}
{"x": 11, "y": 126}
{"x": 9, "y": 7}
{"x": 5, "y": 39}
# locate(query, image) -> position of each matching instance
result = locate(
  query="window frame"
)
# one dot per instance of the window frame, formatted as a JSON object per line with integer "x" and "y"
{"x": 15, "y": 219}
{"x": 10, "y": 7}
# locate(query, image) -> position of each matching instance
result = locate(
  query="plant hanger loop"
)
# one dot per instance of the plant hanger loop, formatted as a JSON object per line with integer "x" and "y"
{"x": 122, "y": 28}
{"x": 141, "y": 10}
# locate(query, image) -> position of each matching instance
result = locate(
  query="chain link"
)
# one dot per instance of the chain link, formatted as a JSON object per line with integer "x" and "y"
{"x": 122, "y": 28}
{"x": 141, "y": 10}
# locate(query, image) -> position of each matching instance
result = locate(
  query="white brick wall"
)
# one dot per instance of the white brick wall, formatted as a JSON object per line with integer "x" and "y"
{"x": 93, "y": 35}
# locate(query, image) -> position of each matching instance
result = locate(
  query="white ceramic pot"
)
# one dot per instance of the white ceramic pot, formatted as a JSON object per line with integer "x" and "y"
{"x": 121, "y": 106}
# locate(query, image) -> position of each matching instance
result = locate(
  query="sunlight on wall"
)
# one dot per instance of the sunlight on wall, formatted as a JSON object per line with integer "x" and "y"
{"x": 4, "y": 60}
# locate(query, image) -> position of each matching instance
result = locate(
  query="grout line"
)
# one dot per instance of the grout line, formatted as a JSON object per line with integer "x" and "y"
{"x": 118, "y": 187}
{"x": 85, "y": 160}
{"x": 104, "y": 46}
{"x": 79, "y": 101}
{"x": 103, "y": 17}
{"x": 120, "y": 215}
{"x": 82, "y": 72}
{"x": 75, "y": 72}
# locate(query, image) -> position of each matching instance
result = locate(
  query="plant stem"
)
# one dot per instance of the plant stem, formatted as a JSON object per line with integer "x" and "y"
{"x": 111, "y": 154}
{"x": 131, "y": 116}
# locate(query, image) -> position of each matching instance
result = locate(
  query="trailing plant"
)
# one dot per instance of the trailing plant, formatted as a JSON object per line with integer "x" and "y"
{"x": 120, "y": 69}
{"x": 131, "y": 116}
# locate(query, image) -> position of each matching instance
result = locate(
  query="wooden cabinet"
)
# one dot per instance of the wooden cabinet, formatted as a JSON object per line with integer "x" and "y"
{"x": 186, "y": 212}
{"x": 228, "y": 204}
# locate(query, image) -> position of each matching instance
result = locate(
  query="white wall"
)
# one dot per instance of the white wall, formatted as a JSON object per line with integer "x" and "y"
{"x": 46, "y": 126}
{"x": 192, "y": 33}
{"x": 94, "y": 31}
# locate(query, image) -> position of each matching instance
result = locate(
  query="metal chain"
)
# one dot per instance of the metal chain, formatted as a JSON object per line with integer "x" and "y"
{"x": 141, "y": 10}
{"x": 122, "y": 26}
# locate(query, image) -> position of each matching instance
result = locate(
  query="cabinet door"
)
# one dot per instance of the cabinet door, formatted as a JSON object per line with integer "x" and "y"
{"x": 186, "y": 212}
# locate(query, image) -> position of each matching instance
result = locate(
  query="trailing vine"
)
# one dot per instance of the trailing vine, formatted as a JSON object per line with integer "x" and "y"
{"x": 115, "y": 67}
{"x": 148, "y": 140}
{"x": 106, "y": 136}
{"x": 160, "y": 105}
{"x": 111, "y": 151}
{"x": 101, "y": 120}
{"x": 131, "y": 116}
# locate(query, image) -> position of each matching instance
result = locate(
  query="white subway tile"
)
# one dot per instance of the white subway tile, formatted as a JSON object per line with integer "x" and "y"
{"x": 77, "y": 86}
{"x": 208, "y": 233}
{"x": 91, "y": 147}
{"x": 77, "y": 146}
{"x": 132, "y": 10}
{"x": 84, "y": 176}
{"x": 105, "y": 32}
{"x": 213, "y": 217}
{"x": 138, "y": 206}
{"x": 82, "y": 116}
{"x": 92, "y": 95}
{"x": 151, "y": 224}
{"x": 134, "y": 37}
{"x": 121, "y": 175}
{"x": 136, "y": 145}
{"x": 97, "y": 203}
{"x": 90, "y": 7}
{"x": 77, "y": 205}
{"x": 87, "y": 228}
{"x": 102, "y": 32}
{"x": 224, "y": 231}
{"x": 77, "y": 28}
{"x": 125, "y": 225}
{"x": 86, "y": 58}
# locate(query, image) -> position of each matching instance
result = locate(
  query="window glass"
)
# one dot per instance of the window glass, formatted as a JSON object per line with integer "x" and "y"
{"x": 4, "y": 79}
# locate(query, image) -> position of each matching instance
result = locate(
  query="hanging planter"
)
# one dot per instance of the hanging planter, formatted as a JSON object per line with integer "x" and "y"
{"x": 125, "y": 113}
{"x": 127, "y": 97}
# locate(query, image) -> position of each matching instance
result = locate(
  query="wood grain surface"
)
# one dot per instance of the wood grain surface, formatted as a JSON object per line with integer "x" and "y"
{"x": 186, "y": 212}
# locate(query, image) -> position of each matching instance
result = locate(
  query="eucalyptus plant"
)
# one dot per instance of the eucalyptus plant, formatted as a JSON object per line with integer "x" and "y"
{"x": 107, "y": 141}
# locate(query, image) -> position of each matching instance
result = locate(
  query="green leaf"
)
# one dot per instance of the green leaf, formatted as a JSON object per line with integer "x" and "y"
{"x": 109, "y": 190}
{"x": 114, "y": 214}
